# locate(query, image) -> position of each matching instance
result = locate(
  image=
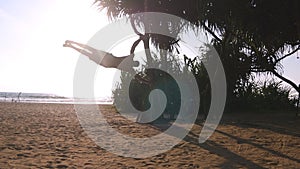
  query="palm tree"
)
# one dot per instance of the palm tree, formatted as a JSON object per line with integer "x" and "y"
{"x": 255, "y": 35}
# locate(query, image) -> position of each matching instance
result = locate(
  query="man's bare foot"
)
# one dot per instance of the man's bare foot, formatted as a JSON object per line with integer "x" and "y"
{"x": 67, "y": 43}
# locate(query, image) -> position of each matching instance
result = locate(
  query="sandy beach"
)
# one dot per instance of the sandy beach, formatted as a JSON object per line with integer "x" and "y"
{"x": 50, "y": 136}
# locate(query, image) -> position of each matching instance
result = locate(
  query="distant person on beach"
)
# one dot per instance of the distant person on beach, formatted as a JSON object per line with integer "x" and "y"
{"x": 19, "y": 95}
{"x": 103, "y": 58}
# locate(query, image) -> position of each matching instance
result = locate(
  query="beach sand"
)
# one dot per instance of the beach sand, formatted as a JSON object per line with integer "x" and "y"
{"x": 50, "y": 136}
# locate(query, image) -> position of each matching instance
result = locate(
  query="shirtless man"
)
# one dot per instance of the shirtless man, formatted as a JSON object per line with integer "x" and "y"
{"x": 106, "y": 59}
{"x": 103, "y": 58}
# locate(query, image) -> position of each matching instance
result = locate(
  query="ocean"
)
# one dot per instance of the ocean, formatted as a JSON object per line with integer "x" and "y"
{"x": 50, "y": 98}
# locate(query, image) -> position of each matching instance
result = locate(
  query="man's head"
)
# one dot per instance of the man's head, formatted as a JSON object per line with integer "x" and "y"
{"x": 136, "y": 63}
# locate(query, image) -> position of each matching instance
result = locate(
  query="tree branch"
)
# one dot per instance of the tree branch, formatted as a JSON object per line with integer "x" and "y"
{"x": 287, "y": 55}
{"x": 134, "y": 45}
{"x": 145, "y": 38}
{"x": 294, "y": 85}
{"x": 211, "y": 32}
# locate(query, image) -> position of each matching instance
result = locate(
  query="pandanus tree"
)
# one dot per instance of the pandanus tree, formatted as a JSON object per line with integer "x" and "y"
{"x": 251, "y": 36}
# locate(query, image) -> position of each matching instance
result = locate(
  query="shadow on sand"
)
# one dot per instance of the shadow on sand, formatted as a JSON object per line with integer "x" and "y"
{"x": 235, "y": 160}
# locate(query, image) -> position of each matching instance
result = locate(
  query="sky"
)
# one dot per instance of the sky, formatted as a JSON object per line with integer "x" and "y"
{"x": 32, "y": 33}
